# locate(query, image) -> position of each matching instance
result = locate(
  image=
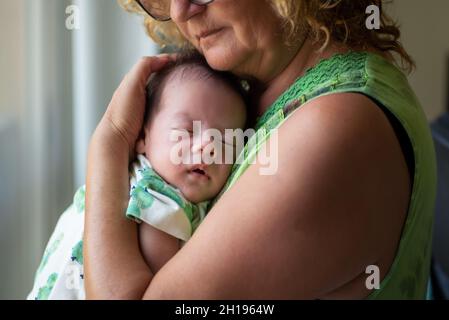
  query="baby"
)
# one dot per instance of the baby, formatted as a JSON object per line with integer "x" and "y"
{"x": 170, "y": 189}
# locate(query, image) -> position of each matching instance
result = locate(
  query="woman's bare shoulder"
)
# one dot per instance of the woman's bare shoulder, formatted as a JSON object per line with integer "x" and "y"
{"x": 349, "y": 134}
{"x": 354, "y": 153}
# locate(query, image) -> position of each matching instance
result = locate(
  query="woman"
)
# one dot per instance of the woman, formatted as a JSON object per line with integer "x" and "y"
{"x": 355, "y": 184}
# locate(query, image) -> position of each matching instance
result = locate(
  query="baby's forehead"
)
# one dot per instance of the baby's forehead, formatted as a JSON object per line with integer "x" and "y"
{"x": 215, "y": 114}
{"x": 185, "y": 112}
{"x": 183, "y": 119}
{"x": 180, "y": 91}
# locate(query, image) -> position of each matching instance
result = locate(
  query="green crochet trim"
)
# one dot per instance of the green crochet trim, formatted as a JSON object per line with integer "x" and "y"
{"x": 337, "y": 73}
{"x": 328, "y": 75}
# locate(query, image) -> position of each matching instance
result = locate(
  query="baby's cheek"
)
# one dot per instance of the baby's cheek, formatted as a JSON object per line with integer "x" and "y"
{"x": 159, "y": 157}
{"x": 224, "y": 171}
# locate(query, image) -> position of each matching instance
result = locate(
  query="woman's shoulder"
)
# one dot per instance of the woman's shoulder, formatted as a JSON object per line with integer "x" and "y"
{"x": 339, "y": 165}
{"x": 350, "y": 117}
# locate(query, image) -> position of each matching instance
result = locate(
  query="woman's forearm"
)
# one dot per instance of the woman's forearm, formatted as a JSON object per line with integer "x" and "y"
{"x": 114, "y": 266}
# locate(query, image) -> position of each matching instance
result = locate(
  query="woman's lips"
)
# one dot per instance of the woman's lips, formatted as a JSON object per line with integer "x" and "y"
{"x": 206, "y": 34}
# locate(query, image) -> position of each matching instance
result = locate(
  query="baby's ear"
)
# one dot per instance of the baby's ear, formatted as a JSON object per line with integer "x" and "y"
{"x": 140, "y": 144}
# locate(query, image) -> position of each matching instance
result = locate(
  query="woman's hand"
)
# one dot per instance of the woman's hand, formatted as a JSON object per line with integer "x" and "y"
{"x": 124, "y": 115}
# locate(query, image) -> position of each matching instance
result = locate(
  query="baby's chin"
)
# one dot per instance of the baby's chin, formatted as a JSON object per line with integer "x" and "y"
{"x": 196, "y": 197}
{"x": 197, "y": 194}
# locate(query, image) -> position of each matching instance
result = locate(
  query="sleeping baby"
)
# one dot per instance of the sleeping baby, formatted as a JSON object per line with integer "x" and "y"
{"x": 171, "y": 185}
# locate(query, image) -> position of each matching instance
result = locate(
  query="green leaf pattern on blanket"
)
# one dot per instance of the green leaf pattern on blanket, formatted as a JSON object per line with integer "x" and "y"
{"x": 77, "y": 253}
{"x": 151, "y": 180}
{"x": 141, "y": 197}
{"x": 51, "y": 248}
{"x": 79, "y": 199}
{"x": 44, "y": 292}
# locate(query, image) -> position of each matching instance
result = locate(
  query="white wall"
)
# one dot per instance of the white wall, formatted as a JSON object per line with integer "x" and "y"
{"x": 425, "y": 29}
{"x": 109, "y": 42}
{"x": 11, "y": 55}
{"x": 12, "y": 90}
{"x": 44, "y": 131}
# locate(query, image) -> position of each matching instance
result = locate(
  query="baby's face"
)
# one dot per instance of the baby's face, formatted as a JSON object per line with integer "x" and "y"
{"x": 184, "y": 101}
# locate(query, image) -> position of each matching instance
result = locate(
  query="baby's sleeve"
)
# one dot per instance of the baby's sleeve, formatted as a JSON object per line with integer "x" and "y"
{"x": 158, "y": 210}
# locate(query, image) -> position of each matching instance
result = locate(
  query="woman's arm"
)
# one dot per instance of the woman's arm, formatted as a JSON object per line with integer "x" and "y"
{"x": 336, "y": 205}
{"x": 107, "y": 231}
{"x": 106, "y": 227}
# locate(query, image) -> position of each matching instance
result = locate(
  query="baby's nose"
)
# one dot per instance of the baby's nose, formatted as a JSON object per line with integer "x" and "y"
{"x": 201, "y": 145}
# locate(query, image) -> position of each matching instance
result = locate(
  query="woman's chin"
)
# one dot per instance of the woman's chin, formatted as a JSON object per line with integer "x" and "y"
{"x": 220, "y": 59}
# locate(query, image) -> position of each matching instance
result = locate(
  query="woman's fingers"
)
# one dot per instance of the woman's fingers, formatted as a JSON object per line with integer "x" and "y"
{"x": 126, "y": 110}
{"x": 146, "y": 66}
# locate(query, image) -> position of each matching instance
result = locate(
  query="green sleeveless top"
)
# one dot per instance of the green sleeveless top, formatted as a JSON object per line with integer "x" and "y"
{"x": 378, "y": 79}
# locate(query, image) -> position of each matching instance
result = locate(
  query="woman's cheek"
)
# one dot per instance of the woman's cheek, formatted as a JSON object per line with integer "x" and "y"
{"x": 187, "y": 35}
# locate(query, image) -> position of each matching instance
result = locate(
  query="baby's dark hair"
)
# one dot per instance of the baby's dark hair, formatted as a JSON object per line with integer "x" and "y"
{"x": 193, "y": 65}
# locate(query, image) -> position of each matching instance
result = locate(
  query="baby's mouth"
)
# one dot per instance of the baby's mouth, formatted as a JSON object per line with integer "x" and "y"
{"x": 200, "y": 172}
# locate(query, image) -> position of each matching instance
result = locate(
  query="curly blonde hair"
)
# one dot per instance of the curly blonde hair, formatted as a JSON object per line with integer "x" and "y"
{"x": 325, "y": 21}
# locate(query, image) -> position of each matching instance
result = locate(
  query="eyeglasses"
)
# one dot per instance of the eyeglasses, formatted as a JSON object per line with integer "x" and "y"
{"x": 160, "y": 9}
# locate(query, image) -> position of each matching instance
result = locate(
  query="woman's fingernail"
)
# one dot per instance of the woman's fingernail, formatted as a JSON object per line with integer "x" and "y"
{"x": 163, "y": 56}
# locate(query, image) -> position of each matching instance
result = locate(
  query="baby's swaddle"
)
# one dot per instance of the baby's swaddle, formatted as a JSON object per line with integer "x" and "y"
{"x": 60, "y": 275}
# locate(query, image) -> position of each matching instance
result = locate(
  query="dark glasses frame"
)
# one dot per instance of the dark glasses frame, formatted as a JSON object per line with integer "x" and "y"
{"x": 167, "y": 18}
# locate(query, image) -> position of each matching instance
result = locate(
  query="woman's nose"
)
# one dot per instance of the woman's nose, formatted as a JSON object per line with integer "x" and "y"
{"x": 183, "y": 10}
